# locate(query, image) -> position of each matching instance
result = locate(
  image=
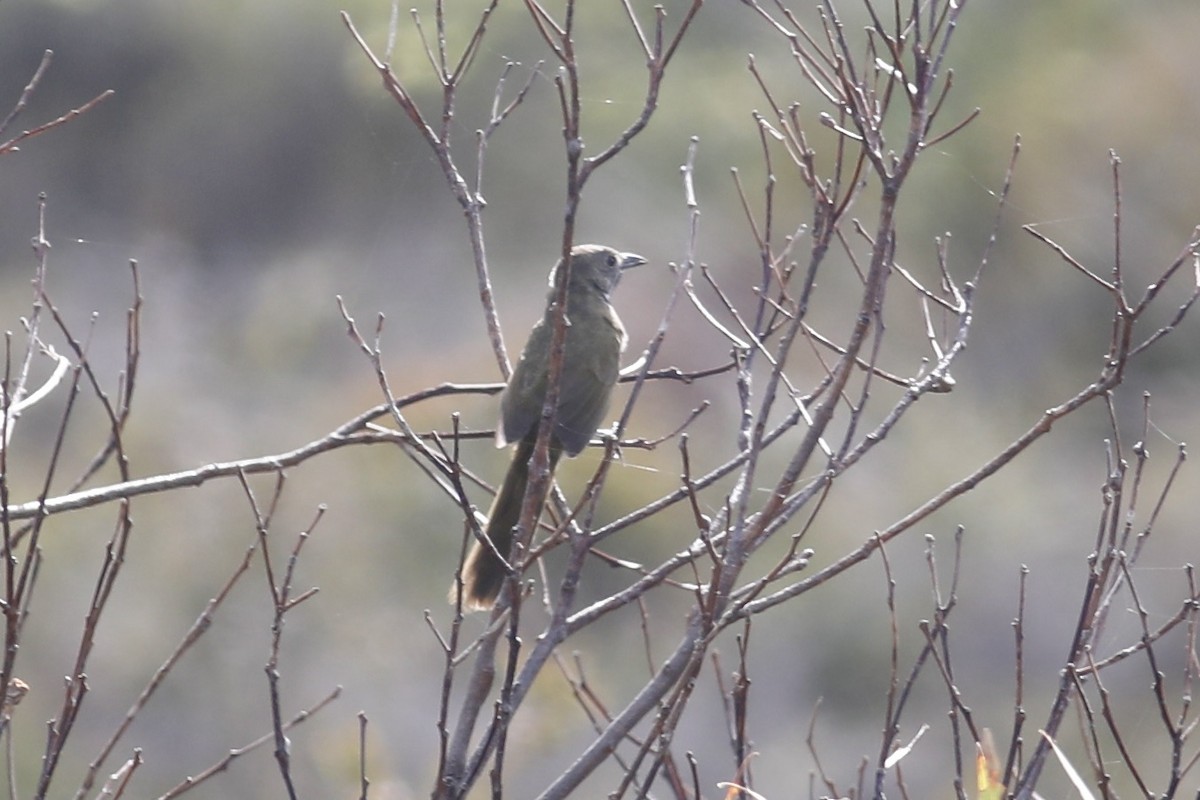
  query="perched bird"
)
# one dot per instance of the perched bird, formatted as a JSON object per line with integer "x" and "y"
{"x": 594, "y": 341}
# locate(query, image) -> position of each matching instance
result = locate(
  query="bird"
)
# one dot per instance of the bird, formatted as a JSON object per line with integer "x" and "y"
{"x": 595, "y": 339}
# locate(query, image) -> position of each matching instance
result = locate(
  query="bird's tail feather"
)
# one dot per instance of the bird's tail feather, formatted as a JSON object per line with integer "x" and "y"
{"x": 483, "y": 571}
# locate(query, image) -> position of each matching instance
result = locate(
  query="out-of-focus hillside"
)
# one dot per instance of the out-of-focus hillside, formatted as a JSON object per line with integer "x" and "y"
{"x": 252, "y": 164}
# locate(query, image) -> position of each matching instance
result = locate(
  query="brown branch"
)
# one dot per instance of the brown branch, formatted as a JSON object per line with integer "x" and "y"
{"x": 234, "y": 754}
{"x": 12, "y": 144}
{"x": 198, "y": 629}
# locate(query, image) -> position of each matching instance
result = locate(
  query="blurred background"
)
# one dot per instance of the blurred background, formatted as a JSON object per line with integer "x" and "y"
{"x": 252, "y": 164}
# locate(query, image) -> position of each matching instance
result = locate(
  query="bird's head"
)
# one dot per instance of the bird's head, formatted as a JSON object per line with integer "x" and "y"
{"x": 598, "y": 266}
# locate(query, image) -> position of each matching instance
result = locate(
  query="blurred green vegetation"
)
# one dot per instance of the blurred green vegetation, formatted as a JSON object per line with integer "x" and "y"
{"x": 252, "y": 164}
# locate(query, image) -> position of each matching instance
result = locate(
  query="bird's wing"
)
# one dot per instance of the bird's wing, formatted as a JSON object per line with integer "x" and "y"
{"x": 521, "y": 402}
{"x": 589, "y": 373}
{"x": 590, "y": 369}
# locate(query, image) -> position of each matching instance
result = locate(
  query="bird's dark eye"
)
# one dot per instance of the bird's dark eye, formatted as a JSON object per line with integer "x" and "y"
{"x": 612, "y": 260}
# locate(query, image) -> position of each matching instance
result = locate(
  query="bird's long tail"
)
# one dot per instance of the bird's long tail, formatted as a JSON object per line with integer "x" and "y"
{"x": 483, "y": 572}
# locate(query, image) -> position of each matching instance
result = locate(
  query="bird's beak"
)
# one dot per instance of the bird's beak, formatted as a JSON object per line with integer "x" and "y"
{"x": 629, "y": 260}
